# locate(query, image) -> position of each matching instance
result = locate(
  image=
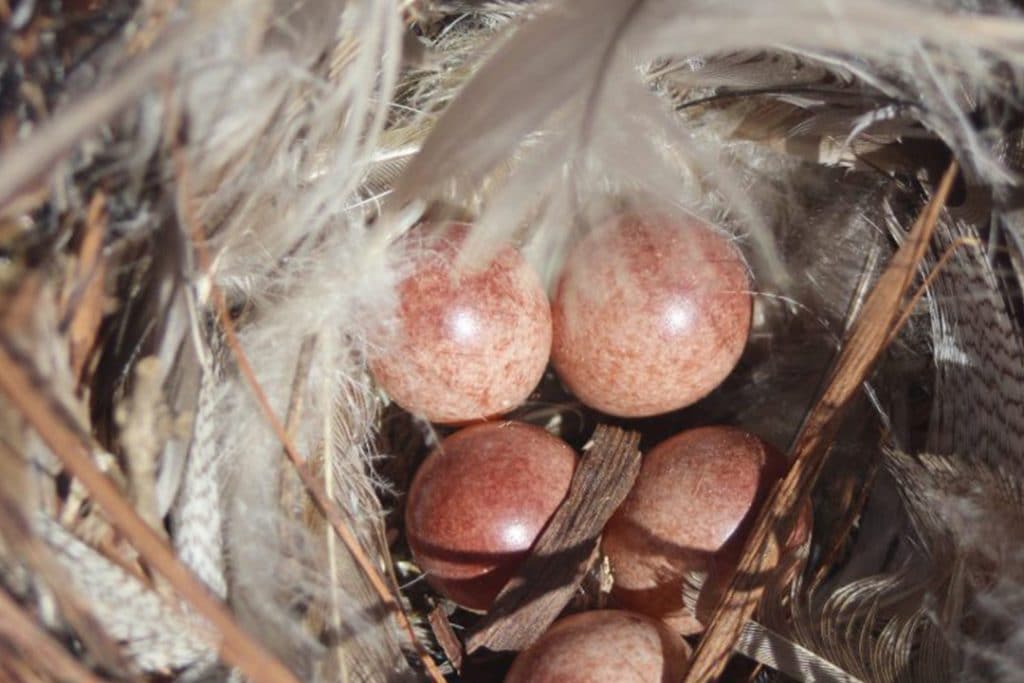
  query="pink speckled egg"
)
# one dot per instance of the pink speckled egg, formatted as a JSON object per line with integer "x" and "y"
{"x": 690, "y": 511}
{"x": 478, "y": 503}
{"x": 468, "y": 345}
{"x": 606, "y": 646}
{"x": 650, "y": 314}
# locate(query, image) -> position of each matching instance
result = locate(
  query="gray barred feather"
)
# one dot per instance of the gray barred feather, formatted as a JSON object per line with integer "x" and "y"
{"x": 774, "y": 650}
{"x": 198, "y": 516}
{"x": 155, "y": 634}
{"x": 979, "y": 373}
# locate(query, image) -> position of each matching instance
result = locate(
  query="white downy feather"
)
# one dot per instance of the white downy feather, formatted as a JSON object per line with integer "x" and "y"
{"x": 574, "y": 74}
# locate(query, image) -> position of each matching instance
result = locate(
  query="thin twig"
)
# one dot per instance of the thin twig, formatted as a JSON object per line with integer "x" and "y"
{"x": 864, "y": 344}
{"x": 20, "y": 381}
{"x": 83, "y": 304}
{"x": 289, "y": 494}
{"x": 323, "y": 502}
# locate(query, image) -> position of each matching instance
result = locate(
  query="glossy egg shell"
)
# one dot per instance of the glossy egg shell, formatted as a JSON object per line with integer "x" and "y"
{"x": 650, "y": 314}
{"x": 605, "y": 646}
{"x": 468, "y": 344}
{"x": 689, "y": 511}
{"x": 478, "y": 503}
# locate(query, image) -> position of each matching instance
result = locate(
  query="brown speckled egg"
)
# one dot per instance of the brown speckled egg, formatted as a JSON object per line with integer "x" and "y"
{"x": 650, "y": 314}
{"x": 689, "y": 511}
{"x": 478, "y": 503}
{"x": 606, "y": 646}
{"x": 468, "y": 345}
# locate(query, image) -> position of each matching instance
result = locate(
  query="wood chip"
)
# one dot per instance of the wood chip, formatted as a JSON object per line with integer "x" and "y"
{"x": 550, "y": 576}
{"x": 85, "y": 302}
{"x": 446, "y": 637}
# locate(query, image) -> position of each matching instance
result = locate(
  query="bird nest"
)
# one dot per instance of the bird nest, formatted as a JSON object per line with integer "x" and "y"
{"x": 202, "y": 208}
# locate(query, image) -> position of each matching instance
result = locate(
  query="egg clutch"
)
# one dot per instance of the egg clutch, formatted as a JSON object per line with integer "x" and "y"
{"x": 650, "y": 314}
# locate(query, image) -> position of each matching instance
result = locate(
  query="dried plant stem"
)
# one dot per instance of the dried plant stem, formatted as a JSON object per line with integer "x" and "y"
{"x": 289, "y": 494}
{"x": 302, "y": 366}
{"x": 866, "y": 341}
{"x": 33, "y": 641}
{"x": 61, "y": 434}
{"x": 837, "y": 542}
{"x": 319, "y": 496}
{"x": 83, "y": 304}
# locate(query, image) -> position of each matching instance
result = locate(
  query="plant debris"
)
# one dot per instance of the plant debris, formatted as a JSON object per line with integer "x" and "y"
{"x": 446, "y": 638}
{"x": 558, "y": 562}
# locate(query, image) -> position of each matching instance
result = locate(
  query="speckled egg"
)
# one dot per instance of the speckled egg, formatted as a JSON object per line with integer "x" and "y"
{"x": 605, "y": 646}
{"x": 650, "y": 314}
{"x": 689, "y": 512}
{"x": 478, "y": 503}
{"x": 468, "y": 344}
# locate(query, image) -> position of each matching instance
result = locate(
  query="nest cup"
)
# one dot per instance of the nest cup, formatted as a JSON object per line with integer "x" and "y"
{"x": 204, "y": 223}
